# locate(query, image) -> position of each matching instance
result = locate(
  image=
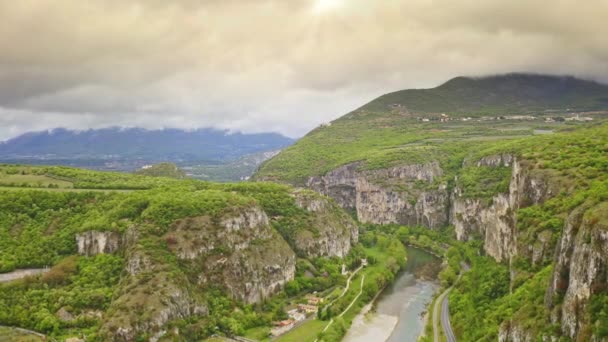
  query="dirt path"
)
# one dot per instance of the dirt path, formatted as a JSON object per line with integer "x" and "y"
{"x": 19, "y": 274}
{"x": 349, "y": 306}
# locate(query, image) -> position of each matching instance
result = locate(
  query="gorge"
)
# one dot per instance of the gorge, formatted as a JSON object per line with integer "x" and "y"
{"x": 534, "y": 203}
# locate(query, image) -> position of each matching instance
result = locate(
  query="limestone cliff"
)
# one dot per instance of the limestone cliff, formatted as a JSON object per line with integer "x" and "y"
{"x": 241, "y": 252}
{"x": 495, "y": 220}
{"x": 95, "y": 242}
{"x": 407, "y": 194}
{"x": 331, "y": 232}
{"x": 581, "y": 269}
{"x": 238, "y": 250}
{"x": 579, "y": 254}
{"x": 153, "y": 293}
{"x": 416, "y": 195}
{"x": 513, "y": 332}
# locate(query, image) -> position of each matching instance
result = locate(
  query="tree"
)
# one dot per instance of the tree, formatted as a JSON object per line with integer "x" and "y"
{"x": 447, "y": 276}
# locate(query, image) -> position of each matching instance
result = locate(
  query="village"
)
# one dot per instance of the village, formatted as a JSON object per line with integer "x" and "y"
{"x": 446, "y": 118}
{"x": 558, "y": 116}
{"x": 309, "y": 307}
{"x": 297, "y": 315}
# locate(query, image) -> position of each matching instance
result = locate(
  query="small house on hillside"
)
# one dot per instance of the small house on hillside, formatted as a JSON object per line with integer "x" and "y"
{"x": 307, "y": 308}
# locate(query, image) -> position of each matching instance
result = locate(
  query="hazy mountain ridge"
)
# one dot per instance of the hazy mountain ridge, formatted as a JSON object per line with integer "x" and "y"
{"x": 138, "y": 143}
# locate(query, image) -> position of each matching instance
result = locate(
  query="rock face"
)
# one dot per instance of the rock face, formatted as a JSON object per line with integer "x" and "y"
{"x": 242, "y": 253}
{"x": 580, "y": 257}
{"x": 153, "y": 293}
{"x": 514, "y": 333}
{"x": 141, "y": 309}
{"x": 495, "y": 220}
{"x": 581, "y": 268}
{"x": 334, "y": 231}
{"x": 94, "y": 242}
{"x": 374, "y": 201}
{"x": 412, "y": 195}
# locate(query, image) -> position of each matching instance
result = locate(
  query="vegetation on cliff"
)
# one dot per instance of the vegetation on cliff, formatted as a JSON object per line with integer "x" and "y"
{"x": 394, "y": 129}
{"x": 524, "y": 167}
{"x": 39, "y": 228}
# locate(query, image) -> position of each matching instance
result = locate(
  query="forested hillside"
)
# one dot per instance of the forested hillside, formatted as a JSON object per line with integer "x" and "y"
{"x": 138, "y": 257}
{"x": 515, "y": 165}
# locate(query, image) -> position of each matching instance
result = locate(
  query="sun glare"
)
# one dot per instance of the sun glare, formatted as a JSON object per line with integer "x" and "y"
{"x": 322, "y": 6}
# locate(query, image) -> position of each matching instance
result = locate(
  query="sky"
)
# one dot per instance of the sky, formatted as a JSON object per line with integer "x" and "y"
{"x": 268, "y": 65}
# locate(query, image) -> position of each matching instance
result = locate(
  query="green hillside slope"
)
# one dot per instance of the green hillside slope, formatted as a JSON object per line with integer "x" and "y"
{"x": 407, "y": 126}
{"x": 514, "y": 167}
{"x": 499, "y": 95}
{"x": 131, "y": 257}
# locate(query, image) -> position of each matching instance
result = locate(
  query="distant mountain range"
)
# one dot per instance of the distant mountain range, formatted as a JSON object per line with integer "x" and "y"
{"x": 127, "y": 149}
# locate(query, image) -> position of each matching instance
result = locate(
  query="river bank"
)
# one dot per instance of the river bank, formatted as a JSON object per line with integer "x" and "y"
{"x": 398, "y": 314}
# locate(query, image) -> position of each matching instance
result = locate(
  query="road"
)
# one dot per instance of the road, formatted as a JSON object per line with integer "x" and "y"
{"x": 445, "y": 312}
{"x": 345, "y": 289}
{"x": 445, "y": 320}
{"x": 439, "y": 300}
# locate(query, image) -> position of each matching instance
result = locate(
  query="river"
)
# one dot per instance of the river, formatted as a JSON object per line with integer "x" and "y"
{"x": 399, "y": 310}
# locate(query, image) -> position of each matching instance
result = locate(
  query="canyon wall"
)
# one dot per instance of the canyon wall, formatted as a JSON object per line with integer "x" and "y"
{"x": 96, "y": 242}
{"x": 366, "y": 192}
{"x": 417, "y": 195}
{"x": 239, "y": 251}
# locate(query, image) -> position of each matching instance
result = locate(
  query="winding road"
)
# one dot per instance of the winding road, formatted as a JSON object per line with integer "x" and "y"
{"x": 445, "y": 320}
{"x": 445, "y": 312}
{"x": 440, "y": 300}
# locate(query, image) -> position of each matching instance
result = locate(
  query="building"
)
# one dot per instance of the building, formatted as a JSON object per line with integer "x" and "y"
{"x": 282, "y": 327}
{"x": 296, "y": 315}
{"x": 579, "y": 118}
{"x": 308, "y": 308}
{"x": 313, "y": 300}
{"x": 363, "y": 262}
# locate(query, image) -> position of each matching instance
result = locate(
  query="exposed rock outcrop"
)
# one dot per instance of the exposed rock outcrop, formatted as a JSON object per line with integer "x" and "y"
{"x": 512, "y": 332}
{"x": 331, "y": 232}
{"x": 581, "y": 267}
{"x": 413, "y": 195}
{"x": 367, "y": 193}
{"x": 153, "y": 293}
{"x": 96, "y": 242}
{"x": 495, "y": 219}
{"x": 149, "y": 301}
{"x": 241, "y": 252}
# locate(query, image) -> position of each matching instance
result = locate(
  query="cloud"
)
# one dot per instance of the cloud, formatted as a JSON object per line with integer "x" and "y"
{"x": 267, "y": 65}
